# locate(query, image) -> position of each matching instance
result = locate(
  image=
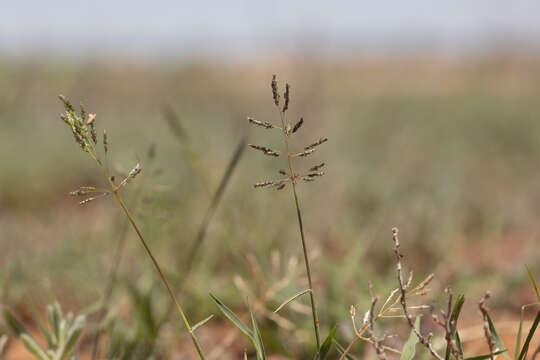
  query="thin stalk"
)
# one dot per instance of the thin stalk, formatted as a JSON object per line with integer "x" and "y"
{"x": 302, "y": 236}
{"x": 120, "y": 202}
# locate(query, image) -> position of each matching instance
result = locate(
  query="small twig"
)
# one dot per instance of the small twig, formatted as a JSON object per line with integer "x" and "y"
{"x": 487, "y": 332}
{"x": 375, "y": 341}
{"x": 424, "y": 340}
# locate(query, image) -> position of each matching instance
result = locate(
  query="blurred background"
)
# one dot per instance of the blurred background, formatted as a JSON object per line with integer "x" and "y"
{"x": 432, "y": 113}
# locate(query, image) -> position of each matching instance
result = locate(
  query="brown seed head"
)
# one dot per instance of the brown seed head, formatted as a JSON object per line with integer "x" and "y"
{"x": 264, "y": 124}
{"x": 265, "y": 150}
{"x": 275, "y": 91}
{"x": 297, "y": 125}
{"x": 286, "y": 95}
{"x": 317, "y": 167}
{"x": 316, "y": 143}
{"x": 305, "y": 153}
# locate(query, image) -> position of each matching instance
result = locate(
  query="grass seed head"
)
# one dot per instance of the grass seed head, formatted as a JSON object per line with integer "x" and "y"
{"x": 286, "y": 96}
{"x": 304, "y": 153}
{"x": 275, "y": 91}
{"x": 265, "y": 150}
{"x": 105, "y": 142}
{"x": 317, "y": 167}
{"x": 316, "y": 143}
{"x": 264, "y": 124}
{"x": 298, "y": 125}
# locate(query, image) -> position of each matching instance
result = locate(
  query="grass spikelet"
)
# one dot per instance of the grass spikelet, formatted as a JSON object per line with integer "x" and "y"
{"x": 265, "y": 150}
{"x": 317, "y": 167}
{"x": 316, "y": 143}
{"x": 264, "y": 124}
{"x": 304, "y": 153}
{"x": 275, "y": 91}
{"x": 286, "y": 96}
{"x": 298, "y": 125}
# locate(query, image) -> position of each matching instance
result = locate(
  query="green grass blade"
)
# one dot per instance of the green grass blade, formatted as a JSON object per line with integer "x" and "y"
{"x": 13, "y": 323}
{"x": 496, "y": 337}
{"x": 232, "y": 317}
{"x": 326, "y": 345}
{"x": 486, "y": 356}
{"x": 521, "y": 318}
{"x": 73, "y": 335}
{"x": 459, "y": 345}
{"x": 292, "y": 298}
{"x": 259, "y": 346}
{"x": 458, "y": 305}
{"x": 533, "y": 282}
{"x": 216, "y": 199}
{"x": 201, "y": 323}
{"x": 32, "y": 346}
{"x": 409, "y": 349}
{"x": 525, "y": 348}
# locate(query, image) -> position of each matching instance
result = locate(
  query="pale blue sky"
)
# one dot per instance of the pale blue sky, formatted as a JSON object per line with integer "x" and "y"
{"x": 237, "y": 28}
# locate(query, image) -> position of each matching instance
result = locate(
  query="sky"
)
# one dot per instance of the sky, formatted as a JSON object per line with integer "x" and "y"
{"x": 237, "y": 28}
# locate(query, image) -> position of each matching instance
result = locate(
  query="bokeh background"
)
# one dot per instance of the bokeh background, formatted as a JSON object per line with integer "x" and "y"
{"x": 432, "y": 110}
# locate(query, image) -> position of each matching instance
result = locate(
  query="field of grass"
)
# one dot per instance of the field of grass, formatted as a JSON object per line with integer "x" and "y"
{"x": 448, "y": 151}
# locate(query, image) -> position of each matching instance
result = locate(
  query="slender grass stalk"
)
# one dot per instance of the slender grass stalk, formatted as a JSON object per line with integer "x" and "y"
{"x": 292, "y": 177}
{"x": 302, "y": 236}
{"x": 87, "y": 140}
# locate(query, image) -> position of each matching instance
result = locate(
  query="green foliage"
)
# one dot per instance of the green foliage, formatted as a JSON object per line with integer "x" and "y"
{"x": 322, "y": 353}
{"x": 253, "y": 335}
{"x": 62, "y": 334}
{"x": 409, "y": 349}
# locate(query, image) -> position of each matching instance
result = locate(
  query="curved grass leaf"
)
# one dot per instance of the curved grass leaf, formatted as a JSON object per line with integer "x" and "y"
{"x": 459, "y": 345}
{"x": 32, "y": 346}
{"x": 525, "y": 348}
{"x": 73, "y": 335}
{"x": 13, "y": 323}
{"x": 201, "y": 323}
{"x": 533, "y": 282}
{"x": 292, "y": 298}
{"x": 486, "y": 356}
{"x": 232, "y": 316}
{"x": 496, "y": 337}
{"x": 521, "y": 318}
{"x": 458, "y": 305}
{"x": 326, "y": 345}
{"x": 259, "y": 346}
{"x": 409, "y": 349}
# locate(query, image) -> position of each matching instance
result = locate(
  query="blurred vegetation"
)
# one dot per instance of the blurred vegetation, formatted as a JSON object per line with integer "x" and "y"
{"x": 447, "y": 151}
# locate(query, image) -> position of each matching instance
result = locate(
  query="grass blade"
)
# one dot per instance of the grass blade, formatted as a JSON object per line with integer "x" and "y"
{"x": 525, "y": 348}
{"x": 216, "y": 198}
{"x": 533, "y": 282}
{"x": 486, "y": 356}
{"x": 458, "y": 305}
{"x": 521, "y": 318}
{"x": 201, "y": 323}
{"x": 459, "y": 345}
{"x": 326, "y": 345}
{"x": 13, "y": 323}
{"x": 73, "y": 335}
{"x": 232, "y": 317}
{"x": 292, "y": 298}
{"x": 496, "y": 337}
{"x": 32, "y": 346}
{"x": 409, "y": 349}
{"x": 259, "y": 346}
